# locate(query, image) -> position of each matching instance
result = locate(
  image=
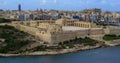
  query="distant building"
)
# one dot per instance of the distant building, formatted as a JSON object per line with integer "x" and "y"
{"x": 75, "y": 17}
{"x": 55, "y": 17}
{"x": 1, "y": 10}
{"x": 22, "y": 17}
{"x": 44, "y": 17}
{"x": 31, "y": 17}
{"x": 19, "y": 7}
{"x": 94, "y": 18}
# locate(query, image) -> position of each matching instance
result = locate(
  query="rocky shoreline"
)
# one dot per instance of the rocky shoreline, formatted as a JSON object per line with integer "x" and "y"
{"x": 63, "y": 51}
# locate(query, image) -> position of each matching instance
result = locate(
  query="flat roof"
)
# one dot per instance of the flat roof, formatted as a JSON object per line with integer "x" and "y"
{"x": 74, "y": 28}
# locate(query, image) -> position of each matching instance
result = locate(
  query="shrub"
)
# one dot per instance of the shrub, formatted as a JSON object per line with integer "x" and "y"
{"x": 3, "y": 20}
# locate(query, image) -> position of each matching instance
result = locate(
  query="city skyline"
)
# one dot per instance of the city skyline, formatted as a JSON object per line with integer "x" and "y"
{"x": 111, "y": 5}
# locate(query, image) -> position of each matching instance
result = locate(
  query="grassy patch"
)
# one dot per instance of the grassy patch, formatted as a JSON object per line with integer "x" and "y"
{"x": 85, "y": 41}
{"x": 111, "y": 37}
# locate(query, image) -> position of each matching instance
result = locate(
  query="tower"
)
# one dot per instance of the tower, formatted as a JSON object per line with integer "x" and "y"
{"x": 19, "y": 7}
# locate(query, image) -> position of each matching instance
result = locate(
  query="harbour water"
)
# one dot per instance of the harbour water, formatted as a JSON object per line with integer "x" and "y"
{"x": 101, "y": 55}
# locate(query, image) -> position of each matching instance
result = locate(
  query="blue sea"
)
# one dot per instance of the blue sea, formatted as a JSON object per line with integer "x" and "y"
{"x": 101, "y": 55}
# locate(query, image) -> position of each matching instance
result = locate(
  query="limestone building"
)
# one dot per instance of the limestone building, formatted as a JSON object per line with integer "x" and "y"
{"x": 53, "y": 32}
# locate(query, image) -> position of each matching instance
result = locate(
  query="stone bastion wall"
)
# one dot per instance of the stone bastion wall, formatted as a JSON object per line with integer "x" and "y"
{"x": 56, "y": 37}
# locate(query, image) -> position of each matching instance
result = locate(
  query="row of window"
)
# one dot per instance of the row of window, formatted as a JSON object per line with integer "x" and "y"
{"x": 83, "y": 25}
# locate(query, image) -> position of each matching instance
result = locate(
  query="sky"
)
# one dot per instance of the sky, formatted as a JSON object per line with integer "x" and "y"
{"x": 111, "y": 5}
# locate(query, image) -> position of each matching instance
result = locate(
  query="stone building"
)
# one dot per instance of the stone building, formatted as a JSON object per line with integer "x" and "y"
{"x": 66, "y": 22}
{"x": 59, "y": 31}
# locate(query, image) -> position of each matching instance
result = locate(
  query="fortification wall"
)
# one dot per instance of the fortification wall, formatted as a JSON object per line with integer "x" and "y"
{"x": 114, "y": 30}
{"x": 56, "y": 37}
{"x": 69, "y": 35}
{"x": 41, "y": 34}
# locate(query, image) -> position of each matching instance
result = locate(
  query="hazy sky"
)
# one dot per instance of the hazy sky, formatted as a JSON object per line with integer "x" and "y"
{"x": 112, "y": 5}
